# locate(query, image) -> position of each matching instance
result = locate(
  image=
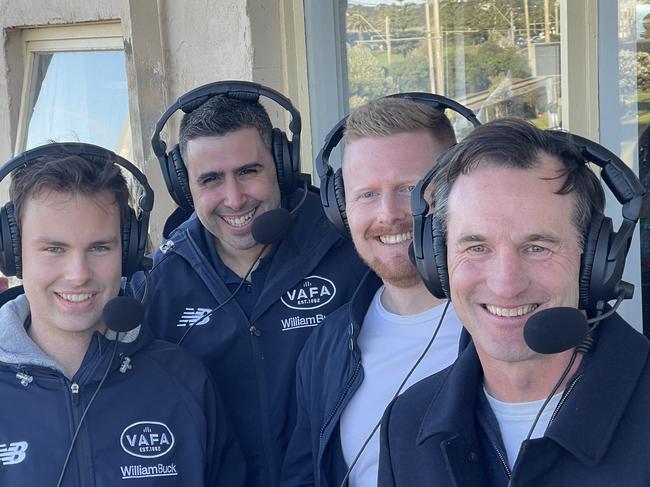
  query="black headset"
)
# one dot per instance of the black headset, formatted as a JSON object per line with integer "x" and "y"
{"x": 604, "y": 253}
{"x": 133, "y": 228}
{"x": 286, "y": 153}
{"x": 332, "y": 189}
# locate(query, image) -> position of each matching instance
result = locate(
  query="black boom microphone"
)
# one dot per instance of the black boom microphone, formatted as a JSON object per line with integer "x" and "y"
{"x": 555, "y": 330}
{"x": 270, "y": 227}
{"x": 122, "y": 314}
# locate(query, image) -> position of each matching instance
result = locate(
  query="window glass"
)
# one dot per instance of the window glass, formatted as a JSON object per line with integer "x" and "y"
{"x": 634, "y": 88}
{"x": 79, "y": 96}
{"x": 499, "y": 57}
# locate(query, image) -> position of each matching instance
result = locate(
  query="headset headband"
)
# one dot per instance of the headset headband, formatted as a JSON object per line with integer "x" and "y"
{"x": 622, "y": 182}
{"x": 83, "y": 150}
{"x": 242, "y": 90}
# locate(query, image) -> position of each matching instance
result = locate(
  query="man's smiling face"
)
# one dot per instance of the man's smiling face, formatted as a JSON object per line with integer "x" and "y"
{"x": 512, "y": 250}
{"x": 233, "y": 181}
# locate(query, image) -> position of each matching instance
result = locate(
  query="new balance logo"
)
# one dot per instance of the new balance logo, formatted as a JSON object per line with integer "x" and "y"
{"x": 192, "y": 315}
{"x": 14, "y": 453}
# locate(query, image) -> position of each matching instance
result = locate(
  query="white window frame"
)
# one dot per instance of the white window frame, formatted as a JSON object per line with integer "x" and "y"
{"x": 611, "y": 136}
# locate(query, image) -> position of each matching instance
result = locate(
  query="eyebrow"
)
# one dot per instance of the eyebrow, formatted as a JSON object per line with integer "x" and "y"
{"x": 58, "y": 243}
{"x": 541, "y": 237}
{"x": 217, "y": 174}
{"x": 534, "y": 237}
{"x": 470, "y": 238}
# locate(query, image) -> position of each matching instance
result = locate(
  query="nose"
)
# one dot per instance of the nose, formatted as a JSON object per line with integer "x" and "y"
{"x": 78, "y": 270}
{"x": 393, "y": 208}
{"x": 507, "y": 276}
{"x": 233, "y": 196}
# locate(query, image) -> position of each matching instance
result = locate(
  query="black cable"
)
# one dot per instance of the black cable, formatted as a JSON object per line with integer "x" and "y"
{"x": 305, "y": 191}
{"x": 583, "y": 349}
{"x": 250, "y": 269}
{"x": 399, "y": 389}
{"x": 566, "y": 371}
{"x": 83, "y": 415}
{"x": 146, "y": 286}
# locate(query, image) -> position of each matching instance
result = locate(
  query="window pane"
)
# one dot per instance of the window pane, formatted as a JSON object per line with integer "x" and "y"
{"x": 499, "y": 57}
{"x": 634, "y": 84}
{"x": 79, "y": 96}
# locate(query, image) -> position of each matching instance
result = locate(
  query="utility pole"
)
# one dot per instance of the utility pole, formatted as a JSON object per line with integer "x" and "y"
{"x": 432, "y": 82}
{"x": 438, "y": 47}
{"x": 388, "y": 47}
{"x": 547, "y": 23}
{"x": 529, "y": 44}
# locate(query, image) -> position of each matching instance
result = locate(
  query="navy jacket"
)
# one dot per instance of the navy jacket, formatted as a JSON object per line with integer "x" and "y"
{"x": 599, "y": 437}
{"x": 314, "y": 456}
{"x": 329, "y": 373}
{"x": 252, "y": 352}
{"x": 157, "y": 420}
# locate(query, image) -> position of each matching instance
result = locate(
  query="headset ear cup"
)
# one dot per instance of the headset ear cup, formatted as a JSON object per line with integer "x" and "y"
{"x": 286, "y": 173}
{"x": 339, "y": 195}
{"x": 331, "y": 204}
{"x": 179, "y": 179}
{"x": 128, "y": 252}
{"x": 439, "y": 253}
{"x": 134, "y": 242}
{"x": 592, "y": 242}
{"x": 11, "y": 261}
{"x": 600, "y": 273}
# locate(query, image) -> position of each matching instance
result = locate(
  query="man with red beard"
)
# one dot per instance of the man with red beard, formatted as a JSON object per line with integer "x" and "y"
{"x": 355, "y": 362}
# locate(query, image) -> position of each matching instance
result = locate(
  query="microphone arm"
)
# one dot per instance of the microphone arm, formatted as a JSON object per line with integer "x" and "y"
{"x": 191, "y": 326}
{"x": 278, "y": 218}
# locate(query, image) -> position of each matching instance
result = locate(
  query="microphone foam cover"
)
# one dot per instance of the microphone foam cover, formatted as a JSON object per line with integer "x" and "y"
{"x": 122, "y": 314}
{"x": 272, "y": 226}
{"x": 555, "y": 330}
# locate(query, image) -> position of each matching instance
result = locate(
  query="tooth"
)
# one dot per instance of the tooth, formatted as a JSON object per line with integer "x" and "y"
{"x": 395, "y": 238}
{"x": 76, "y": 298}
{"x": 239, "y": 221}
{"x": 510, "y": 312}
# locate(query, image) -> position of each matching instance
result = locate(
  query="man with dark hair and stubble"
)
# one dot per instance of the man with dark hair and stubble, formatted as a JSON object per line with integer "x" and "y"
{"x": 251, "y": 343}
{"x": 353, "y": 365}
{"x": 554, "y": 387}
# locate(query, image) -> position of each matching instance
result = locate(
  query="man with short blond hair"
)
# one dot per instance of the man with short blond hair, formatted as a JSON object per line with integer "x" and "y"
{"x": 353, "y": 365}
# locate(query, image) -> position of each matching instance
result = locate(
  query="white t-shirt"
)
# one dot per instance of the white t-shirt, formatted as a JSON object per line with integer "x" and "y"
{"x": 516, "y": 418}
{"x": 390, "y": 344}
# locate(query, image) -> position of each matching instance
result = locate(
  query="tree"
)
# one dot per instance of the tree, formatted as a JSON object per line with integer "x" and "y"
{"x": 366, "y": 78}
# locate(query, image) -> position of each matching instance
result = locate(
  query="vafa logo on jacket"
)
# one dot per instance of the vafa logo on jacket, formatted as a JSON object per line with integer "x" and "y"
{"x": 312, "y": 293}
{"x": 147, "y": 439}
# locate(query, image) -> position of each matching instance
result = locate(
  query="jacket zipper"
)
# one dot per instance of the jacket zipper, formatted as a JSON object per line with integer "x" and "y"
{"x": 504, "y": 464}
{"x": 254, "y": 334}
{"x": 340, "y": 399}
{"x": 555, "y": 412}
{"x": 74, "y": 392}
{"x": 564, "y": 397}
